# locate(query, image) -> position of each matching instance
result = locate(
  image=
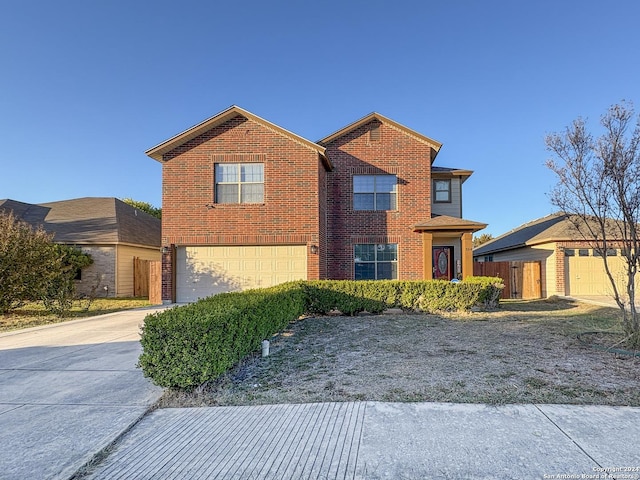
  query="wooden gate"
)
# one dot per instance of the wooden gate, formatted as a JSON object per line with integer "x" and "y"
{"x": 521, "y": 279}
{"x": 155, "y": 282}
{"x": 140, "y": 277}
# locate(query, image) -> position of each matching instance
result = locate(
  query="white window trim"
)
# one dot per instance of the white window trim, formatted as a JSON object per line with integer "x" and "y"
{"x": 375, "y": 193}
{"x": 239, "y": 183}
{"x": 375, "y": 260}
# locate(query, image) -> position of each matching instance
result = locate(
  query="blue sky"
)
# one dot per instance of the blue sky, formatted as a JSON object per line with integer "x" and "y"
{"x": 87, "y": 87}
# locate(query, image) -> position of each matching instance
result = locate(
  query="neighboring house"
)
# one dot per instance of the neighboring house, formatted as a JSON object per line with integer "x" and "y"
{"x": 570, "y": 266}
{"x": 111, "y": 231}
{"x": 247, "y": 204}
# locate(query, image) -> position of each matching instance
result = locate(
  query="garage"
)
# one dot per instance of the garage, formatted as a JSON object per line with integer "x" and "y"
{"x": 585, "y": 273}
{"x": 202, "y": 271}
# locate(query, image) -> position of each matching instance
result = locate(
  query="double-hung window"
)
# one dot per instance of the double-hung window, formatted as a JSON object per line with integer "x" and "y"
{"x": 376, "y": 261}
{"x": 239, "y": 183}
{"x": 442, "y": 191}
{"x": 374, "y": 192}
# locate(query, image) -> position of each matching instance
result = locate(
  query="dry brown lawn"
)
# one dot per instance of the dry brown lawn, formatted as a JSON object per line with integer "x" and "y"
{"x": 525, "y": 352}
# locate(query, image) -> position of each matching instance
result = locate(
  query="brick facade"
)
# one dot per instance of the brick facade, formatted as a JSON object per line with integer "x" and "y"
{"x": 291, "y": 210}
{"x": 389, "y": 152}
{"x": 308, "y": 192}
{"x": 561, "y": 284}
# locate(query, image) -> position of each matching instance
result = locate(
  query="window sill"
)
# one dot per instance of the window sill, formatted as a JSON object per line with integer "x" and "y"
{"x": 375, "y": 211}
{"x": 213, "y": 206}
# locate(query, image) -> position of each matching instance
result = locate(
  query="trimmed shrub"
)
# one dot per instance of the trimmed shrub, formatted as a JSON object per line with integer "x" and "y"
{"x": 352, "y": 297}
{"x": 187, "y": 346}
{"x": 489, "y": 295}
{"x": 347, "y": 296}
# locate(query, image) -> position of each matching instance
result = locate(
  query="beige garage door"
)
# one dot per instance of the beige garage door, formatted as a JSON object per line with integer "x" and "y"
{"x": 205, "y": 271}
{"x": 586, "y": 275}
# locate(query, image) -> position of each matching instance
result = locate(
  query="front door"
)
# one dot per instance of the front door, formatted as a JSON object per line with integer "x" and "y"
{"x": 442, "y": 263}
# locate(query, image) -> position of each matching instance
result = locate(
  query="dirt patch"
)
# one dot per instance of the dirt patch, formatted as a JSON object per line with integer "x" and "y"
{"x": 527, "y": 352}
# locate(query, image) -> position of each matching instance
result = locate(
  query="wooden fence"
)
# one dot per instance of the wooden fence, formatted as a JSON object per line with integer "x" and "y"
{"x": 155, "y": 282}
{"x": 521, "y": 279}
{"x": 147, "y": 280}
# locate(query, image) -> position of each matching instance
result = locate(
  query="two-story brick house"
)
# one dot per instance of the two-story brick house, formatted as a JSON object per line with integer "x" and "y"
{"x": 246, "y": 203}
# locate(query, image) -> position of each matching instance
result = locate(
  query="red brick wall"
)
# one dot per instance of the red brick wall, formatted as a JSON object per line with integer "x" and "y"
{"x": 394, "y": 153}
{"x": 290, "y": 213}
{"x": 561, "y": 285}
{"x": 323, "y": 256}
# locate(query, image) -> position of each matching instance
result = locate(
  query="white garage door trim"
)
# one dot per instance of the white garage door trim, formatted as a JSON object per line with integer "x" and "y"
{"x": 202, "y": 271}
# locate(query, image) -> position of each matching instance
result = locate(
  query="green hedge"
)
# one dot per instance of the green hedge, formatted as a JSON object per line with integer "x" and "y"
{"x": 189, "y": 345}
{"x": 186, "y": 346}
{"x": 351, "y": 297}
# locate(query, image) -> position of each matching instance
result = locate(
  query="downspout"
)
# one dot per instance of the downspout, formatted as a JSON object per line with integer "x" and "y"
{"x": 460, "y": 188}
{"x": 174, "y": 297}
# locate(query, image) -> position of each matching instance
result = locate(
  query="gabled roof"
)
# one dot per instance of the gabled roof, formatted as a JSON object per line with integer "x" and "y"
{"x": 381, "y": 118}
{"x": 446, "y": 223}
{"x": 233, "y": 111}
{"x": 552, "y": 228}
{"x": 90, "y": 220}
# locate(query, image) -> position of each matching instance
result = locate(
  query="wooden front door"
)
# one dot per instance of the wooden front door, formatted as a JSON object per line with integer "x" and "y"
{"x": 442, "y": 263}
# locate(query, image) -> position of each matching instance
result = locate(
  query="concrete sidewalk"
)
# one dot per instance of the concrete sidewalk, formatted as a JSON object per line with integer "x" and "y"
{"x": 370, "y": 440}
{"x": 68, "y": 390}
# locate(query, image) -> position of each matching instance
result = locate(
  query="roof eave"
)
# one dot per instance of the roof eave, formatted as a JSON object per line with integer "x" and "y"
{"x": 459, "y": 172}
{"x": 498, "y": 250}
{"x": 376, "y": 116}
{"x": 450, "y": 228}
{"x": 174, "y": 142}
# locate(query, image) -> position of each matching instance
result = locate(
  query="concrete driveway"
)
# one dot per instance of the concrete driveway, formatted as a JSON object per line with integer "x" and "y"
{"x": 67, "y": 391}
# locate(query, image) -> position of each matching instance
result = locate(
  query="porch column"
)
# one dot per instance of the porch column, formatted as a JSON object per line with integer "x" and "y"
{"x": 427, "y": 256}
{"x": 467, "y": 255}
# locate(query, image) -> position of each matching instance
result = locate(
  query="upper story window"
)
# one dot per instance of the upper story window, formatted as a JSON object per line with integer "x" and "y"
{"x": 442, "y": 191}
{"x": 374, "y": 192}
{"x": 239, "y": 182}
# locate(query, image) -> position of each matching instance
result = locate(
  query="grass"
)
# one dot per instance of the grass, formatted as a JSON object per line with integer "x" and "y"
{"x": 524, "y": 352}
{"x": 34, "y": 314}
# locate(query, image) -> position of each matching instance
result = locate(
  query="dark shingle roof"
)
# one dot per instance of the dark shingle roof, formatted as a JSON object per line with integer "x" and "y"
{"x": 554, "y": 227}
{"x": 90, "y": 220}
{"x": 18, "y": 208}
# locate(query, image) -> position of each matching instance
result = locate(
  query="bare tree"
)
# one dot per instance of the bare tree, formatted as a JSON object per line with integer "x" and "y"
{"x": 599, "y": 188}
